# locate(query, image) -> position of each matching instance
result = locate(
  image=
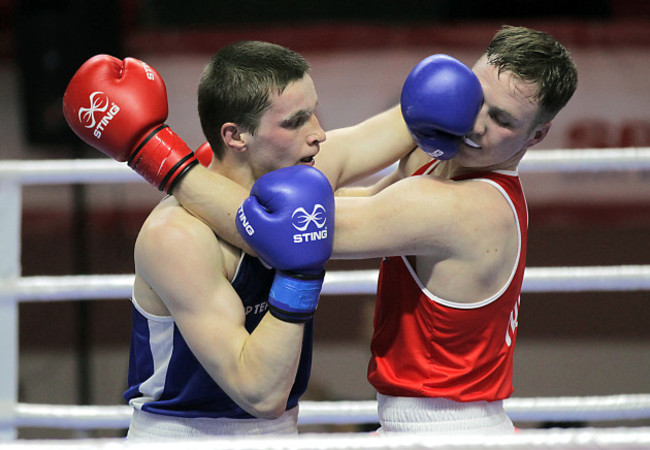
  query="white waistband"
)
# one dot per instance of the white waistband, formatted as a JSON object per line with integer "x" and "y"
{"x": 151, "y": 427}
{"x": 426, "y": 414}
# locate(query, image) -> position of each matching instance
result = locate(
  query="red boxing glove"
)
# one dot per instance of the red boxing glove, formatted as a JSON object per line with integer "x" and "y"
{"x": 119, "y": 107}
{"x": 204, "y": 154}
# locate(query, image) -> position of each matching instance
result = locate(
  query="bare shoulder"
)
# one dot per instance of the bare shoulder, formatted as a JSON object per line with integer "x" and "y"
{"x": 170, "y": 225}
{"x": 485, "y": 197}
{"x": 170, "y": 233}
{"x": 485, "y": 221}
{"x": 474, "y": 239}
{"x": 459, "y": 211}
{"x": 180, "y": 264}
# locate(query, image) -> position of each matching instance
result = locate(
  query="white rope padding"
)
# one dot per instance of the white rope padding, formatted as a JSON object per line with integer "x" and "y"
{"x": 586, "y": 160}
{"x": 536, "y": 279}
{"x": 557, "y": 439}
{"x": 589, "y": 278}
{"x": 541, "y": 409}
{"x": 92, "y": 171}
{"x": 84, "y": 171}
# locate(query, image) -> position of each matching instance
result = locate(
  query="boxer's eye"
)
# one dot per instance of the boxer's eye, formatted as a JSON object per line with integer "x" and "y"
{"x": 502, "y": 119}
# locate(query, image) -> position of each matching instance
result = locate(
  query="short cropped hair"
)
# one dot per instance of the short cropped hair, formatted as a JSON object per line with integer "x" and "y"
{"x": 536, "y": 57}
{"x": 236, "y": 85}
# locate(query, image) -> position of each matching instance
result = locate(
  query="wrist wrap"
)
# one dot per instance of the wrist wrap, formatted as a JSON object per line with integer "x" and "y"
{"x": 162, "y": 158}
{"x": 294, "y": 296}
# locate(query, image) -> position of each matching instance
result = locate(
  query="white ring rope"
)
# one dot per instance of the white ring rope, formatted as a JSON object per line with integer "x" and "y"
{"x": 86, "y": 171}
{"x": 587, "y": 160}
{"x": 557, "y": 439}
{"x": 106, "y": 170}
{"x": 536, "y": 279}
{"x": 541, "y": 409}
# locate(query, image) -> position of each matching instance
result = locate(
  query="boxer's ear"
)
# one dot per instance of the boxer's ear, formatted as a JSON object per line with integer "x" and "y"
{"x": 538, "y": 134}
{"x": 234, "y": 137}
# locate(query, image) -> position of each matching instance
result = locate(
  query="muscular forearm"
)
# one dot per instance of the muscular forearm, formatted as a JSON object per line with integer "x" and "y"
{"x": 215, "y": 199}
{"x": 268, "y": 366}
{"x": 354, "y": 153}
{"x": 349, "y": 239}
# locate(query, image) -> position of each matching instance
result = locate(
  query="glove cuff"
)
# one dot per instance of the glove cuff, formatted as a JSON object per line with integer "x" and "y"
{"x": 162, "y": 158}
{"x": 438, "y": 144}
{"x": 294, "y": 296}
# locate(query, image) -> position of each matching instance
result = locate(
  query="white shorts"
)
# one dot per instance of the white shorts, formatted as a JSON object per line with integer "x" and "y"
{"x": 426, "y": 414}
{"x": 154, "y": 427}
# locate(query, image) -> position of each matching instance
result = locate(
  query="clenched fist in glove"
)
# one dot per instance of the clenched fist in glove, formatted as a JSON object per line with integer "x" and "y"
{"x": 440, "y": 100}
{"x": 119, "y": 107}
{"x": 289, "y": 221}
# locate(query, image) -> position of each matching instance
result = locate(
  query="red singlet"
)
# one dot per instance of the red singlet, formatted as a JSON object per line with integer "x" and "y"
{"x": 425, "y": 346}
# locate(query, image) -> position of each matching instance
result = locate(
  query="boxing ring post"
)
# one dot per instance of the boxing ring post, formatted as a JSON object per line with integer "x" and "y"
{"x": 13, "y": 176}
{"x": 10, "y": 220}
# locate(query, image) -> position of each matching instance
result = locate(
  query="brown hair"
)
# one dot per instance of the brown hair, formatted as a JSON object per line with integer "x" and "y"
{"x": 237, "y": 82}
{"x": 536, "y": 57}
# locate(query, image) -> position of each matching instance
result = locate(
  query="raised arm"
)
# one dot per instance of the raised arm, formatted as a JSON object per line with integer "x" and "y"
{"x": 406, "y": 167}
{"x": 353, "y": 153}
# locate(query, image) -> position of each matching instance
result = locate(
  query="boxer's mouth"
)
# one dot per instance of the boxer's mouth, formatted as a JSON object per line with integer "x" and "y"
{"x": 470, "y": 143}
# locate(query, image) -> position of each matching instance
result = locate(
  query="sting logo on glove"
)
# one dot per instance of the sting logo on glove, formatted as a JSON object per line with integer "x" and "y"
{"x": 301, "y": 216}
{"x": 301, "y": 220}
{"x": 286, "y": 218}
{"x": 99, "y": 105}
{"x": 246, "y": 225}
{"x": 318, "y": 217}
{"x": 88, "y": 114}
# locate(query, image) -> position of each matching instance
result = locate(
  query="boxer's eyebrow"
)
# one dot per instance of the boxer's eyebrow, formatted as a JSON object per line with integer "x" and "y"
{"x": 296, "y": 119}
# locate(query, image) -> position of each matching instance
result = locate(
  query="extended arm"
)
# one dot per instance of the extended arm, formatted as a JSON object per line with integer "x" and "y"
{"x": 214, "y": 198}
{"x": 354, "y": 153}
{"x": 349, "y": 154}
{"x": 396, "y": 221}
{"x": 406, "y": 167}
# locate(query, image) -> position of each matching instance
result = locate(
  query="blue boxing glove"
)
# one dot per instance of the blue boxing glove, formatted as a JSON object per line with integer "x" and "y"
{"x": 440, "y": 100}
{"x": 289, "y": 221}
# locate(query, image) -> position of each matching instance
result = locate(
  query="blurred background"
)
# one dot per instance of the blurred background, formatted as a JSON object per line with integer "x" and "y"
{"x": 568, "y": 344}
